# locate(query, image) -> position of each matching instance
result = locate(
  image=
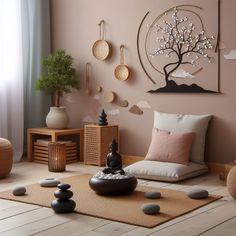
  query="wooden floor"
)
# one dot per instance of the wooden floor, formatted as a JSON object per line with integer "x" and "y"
{"x": 16, "y": 219}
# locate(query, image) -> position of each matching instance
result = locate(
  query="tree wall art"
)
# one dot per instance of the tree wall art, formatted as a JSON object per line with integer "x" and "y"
{"x": 178, "y": 49}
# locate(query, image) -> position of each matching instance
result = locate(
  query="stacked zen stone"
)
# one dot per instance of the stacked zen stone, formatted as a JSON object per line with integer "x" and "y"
{"x": 103, "y": 119}
{"x": 63, "y": 203}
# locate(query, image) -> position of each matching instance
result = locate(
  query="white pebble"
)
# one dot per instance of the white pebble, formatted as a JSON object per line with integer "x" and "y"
{"x": 101, "y": 175}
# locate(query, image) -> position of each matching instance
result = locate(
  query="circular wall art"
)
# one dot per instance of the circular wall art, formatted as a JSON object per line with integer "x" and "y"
{"x": 177, "y": 50}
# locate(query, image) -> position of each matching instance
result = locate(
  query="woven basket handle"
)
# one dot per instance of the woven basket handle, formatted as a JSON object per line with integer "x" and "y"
{"x": 87, "y": 76}
{"x": 122, "y": 57}
{"x": 101, "y": 25}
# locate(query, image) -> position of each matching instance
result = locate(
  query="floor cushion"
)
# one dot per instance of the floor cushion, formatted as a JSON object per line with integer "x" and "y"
{"x": 165, "y": 171}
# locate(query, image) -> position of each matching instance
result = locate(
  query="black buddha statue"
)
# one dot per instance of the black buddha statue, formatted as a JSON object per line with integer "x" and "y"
{"x": 114, "y": 160}
{"x": 113, "y": 180}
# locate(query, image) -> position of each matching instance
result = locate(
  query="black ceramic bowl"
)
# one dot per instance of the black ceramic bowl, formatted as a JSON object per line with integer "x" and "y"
{"x": 113, "y": 186}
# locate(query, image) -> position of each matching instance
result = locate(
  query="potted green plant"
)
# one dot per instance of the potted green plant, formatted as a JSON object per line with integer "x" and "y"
{"x": 58, "y": 77}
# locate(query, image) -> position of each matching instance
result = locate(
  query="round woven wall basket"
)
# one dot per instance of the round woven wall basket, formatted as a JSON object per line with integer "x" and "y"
{"x": 101, "y": 49}
{"x": 122, "y": 72}
{"x": 6, "y": 157}
{"x": 231, "y": 182}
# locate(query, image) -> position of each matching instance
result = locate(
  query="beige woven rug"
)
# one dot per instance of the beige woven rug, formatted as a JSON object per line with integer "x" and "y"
{"x": 126, "y": 209}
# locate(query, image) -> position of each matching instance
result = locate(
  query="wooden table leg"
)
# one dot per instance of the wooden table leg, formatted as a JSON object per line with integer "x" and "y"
{"x": 81, "y": 146}
{"x": 53, "y": 137}
{"x": 29, "y": 146}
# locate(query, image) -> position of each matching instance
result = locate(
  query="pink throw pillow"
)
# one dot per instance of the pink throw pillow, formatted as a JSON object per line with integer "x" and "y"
{"x": 170, "y": 147}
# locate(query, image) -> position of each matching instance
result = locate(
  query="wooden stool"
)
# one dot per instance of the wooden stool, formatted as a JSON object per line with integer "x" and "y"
{"x": 6, "y": 157}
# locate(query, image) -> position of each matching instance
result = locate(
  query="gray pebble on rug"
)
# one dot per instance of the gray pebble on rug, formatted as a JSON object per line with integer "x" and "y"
{"x": 150, "y": 208}
{"x": 197, "y": 193}
{"x": 19, "y": 191}
{"x": 153, "y": 195}
{"x": 49, "y": 182}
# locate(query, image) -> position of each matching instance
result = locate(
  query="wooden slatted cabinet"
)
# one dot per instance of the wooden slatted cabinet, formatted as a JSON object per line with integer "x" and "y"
{"x": 96, "y": 143}
{"x": 38, "y": 139}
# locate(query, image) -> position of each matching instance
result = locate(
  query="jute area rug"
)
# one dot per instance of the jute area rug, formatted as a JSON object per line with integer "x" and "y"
{"x": 126, "y": 209}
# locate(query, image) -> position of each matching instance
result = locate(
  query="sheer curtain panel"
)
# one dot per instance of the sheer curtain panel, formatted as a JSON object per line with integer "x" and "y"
{"x": 25, "y": 39}
{"x": 11, "y": 75}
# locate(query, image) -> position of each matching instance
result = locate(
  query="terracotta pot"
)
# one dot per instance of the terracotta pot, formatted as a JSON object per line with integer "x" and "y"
{"x": 57, "y": 118}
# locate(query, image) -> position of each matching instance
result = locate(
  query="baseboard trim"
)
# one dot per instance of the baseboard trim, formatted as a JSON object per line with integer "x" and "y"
{"x": 215, "y": 168}
{"x": 128, "y": 160}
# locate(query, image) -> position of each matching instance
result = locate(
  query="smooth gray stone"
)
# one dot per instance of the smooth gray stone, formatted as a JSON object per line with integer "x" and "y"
{"x": 19, "y": 191}
{"x": 63, "y": 205}
{"x": 63, "y": 194}
{"x": 197, "y": 193}
{"x": 153, "y": 195}
{"x": 50, "y": 182}
{"x": 63, "y": 186}
{"x": 150, "y": 208}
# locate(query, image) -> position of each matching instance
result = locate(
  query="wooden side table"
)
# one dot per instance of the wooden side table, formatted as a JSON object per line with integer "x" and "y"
{"x": 96, "y": 143}
{"x": 55, "y": 135}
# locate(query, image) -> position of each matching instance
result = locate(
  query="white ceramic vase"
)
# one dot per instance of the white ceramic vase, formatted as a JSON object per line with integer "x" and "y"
{"x": 57, "y": 118}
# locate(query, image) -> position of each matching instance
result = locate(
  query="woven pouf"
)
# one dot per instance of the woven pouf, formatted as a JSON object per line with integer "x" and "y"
{"x": 231, "y": 182}
{"x": 6, "y": 157}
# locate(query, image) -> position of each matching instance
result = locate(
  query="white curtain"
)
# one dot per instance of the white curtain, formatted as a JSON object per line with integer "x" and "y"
{"x": 11, "y": 75}
{"x": 25, "y": 39}
{"x": 36, "y": 44}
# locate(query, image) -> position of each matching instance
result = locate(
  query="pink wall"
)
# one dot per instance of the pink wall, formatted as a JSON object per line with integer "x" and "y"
{"x": 74, "y": 28}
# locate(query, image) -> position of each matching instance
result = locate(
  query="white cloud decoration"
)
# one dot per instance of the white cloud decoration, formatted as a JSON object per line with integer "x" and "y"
{"x": 180, "y": 73}
{"x": 231, "y": 55}
{"x": 96, "y": 97}
{"x": 143, "y": 104}
{"x": 113, "y": 112}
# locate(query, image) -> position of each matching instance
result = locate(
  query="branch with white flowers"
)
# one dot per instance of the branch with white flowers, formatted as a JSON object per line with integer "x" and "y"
{"x": 179, "y": 37}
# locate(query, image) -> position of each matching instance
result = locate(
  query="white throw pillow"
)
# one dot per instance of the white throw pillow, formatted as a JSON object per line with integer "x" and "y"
{"x": 165, "y": 171}
{"x": 186, "y": 123}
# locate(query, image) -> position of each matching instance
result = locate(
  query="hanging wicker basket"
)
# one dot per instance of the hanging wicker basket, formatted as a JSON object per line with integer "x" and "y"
{"x": 122, "y": 71}
{"x": 101, "y": 48}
